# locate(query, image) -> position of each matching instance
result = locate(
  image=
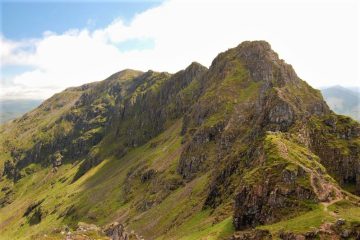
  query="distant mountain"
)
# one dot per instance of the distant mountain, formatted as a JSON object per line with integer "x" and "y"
{"x": 354, "y": 89}
{"x": 345, "y": 101}
{"x": 242, "y": 150}
{"x": 11, "y": 109}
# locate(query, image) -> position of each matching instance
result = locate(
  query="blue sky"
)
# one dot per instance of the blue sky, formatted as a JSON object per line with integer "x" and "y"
{"x": 47, "y": 46}
{"x": 30, "y": 19}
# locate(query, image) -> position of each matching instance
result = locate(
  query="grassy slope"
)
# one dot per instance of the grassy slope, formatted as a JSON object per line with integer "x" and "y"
{"x": 46, "y": 123}
{"x": 36, "y": 124}
{"x": 303, "y": 223}
{"x": 320, "y": 213}
{"x": 97, "y": 197}
{"x": 317, "y": 217}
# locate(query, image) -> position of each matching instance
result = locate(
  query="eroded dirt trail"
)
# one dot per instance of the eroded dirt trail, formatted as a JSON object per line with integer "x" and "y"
{"x": 327, "y": 192}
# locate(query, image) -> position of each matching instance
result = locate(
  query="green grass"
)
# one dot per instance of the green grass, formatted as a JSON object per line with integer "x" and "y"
{"x": 345, "y": 209}
{"x": 222, "y": 96}
{"x": 221, "y": 230}
{"x": 303, "y": 223}
{"x": 295, "y": 152}
{"x": 315, "y": 218}
{"x": 330, "y": 135}
{"x": 98, "y": 196}
{"x": 282, "y": 153}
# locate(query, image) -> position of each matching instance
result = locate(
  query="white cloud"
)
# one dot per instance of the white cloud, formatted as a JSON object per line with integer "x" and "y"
{"x": 319, "y": 38}
{"x": 15, "y": 52}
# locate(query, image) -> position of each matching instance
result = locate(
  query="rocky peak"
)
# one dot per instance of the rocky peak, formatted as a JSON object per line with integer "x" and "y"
{"x": 193, "y": 71}
{"x": 195, "y": 68}
{"x": 262, "y": 63}
{"x": 256, "y": 50}
{"x": 125, "y": 74}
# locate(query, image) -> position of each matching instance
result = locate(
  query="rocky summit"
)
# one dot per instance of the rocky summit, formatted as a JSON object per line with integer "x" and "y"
{"x": 242, "y": 150}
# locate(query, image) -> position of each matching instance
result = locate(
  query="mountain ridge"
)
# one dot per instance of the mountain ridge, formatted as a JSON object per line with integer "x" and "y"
{"x": 202, "y": 152}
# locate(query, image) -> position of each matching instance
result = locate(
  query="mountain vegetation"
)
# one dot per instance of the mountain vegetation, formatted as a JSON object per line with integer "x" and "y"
{"x": 242, "y": 150}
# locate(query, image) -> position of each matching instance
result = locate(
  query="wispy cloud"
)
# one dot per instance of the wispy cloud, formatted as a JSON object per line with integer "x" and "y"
{"x": 175, "y": 33}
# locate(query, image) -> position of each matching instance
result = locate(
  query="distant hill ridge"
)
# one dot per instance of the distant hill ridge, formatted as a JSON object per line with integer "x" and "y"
{"x": 343, "y": 100}
{"x": 11, "y": 109}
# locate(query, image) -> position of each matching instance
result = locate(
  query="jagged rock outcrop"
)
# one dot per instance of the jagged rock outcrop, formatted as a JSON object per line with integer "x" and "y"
{"x": 236, "y": 129}
{"x": 131, "y": 104}
{"x": 8, "y": 196}
{"x": 9, "y": 169}
{"x": 267, "y": 103}
{"x": 269, "y": 201}
{"x": 117, "y": 231}
{"x": 335, "y": 139}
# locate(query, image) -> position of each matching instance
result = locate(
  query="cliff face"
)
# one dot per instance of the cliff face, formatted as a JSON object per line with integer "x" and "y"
{"x": 230, "y": 133}
{"x": 335, "y": 139}
{"x": 241, "y": 144}
{"x": 130, "y": 107}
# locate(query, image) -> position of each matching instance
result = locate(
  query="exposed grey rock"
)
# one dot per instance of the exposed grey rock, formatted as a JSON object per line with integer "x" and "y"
{"x": 146, "y": 176}
{"x": 263, "y": 203}
{"x": 254, "y": 234}
{"x": 340, "y": 222}
{"x": 116, "y": 231}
